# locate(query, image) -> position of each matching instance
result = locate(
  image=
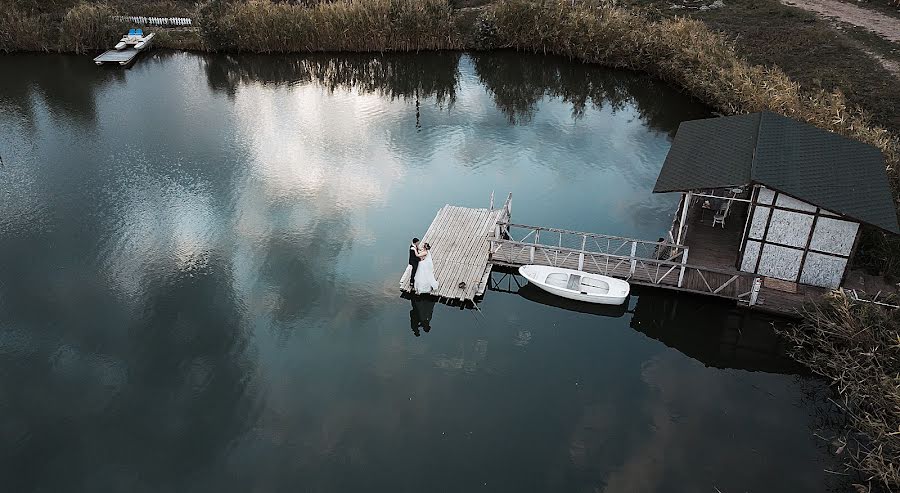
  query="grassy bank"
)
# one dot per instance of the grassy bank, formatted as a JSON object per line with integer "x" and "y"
{"x": 80, "y": 28}
{"x": 807, "y": 47}
{"x": 857, "y": 347}
{"x": 683, "y": 51}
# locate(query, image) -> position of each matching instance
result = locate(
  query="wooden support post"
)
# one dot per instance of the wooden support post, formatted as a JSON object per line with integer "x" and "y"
{"x": 633, "y": 259}
{"x": 754, "y": 292}
{"x": 581, "y": 255}
{"x": 492, "y": 200}
{"x": 559, "y": 245}
{"x": 684, "y": 211}
{"x": 684, "y": 255}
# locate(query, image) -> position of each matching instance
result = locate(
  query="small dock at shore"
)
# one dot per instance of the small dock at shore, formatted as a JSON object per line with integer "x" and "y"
{"x": 467, "y": 243}
{"x": 123, "y": 57}
{"x": 127, "y": 49}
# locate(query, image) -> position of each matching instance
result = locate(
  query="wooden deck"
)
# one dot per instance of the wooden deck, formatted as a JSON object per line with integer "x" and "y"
{"x": 715, "y": 247}
{"x": 719, "y": 248}
{"x": 459, "y": 239}
{"x": 467, "y": 242}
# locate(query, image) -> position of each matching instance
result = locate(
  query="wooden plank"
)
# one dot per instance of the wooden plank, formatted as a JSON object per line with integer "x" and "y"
{"x": 445, "y": 253}
{"x": 440, "y": 246}
{"x": 469, "y": 253}
{"x": 455, "y": 240}
{"x": 457, "y": 264}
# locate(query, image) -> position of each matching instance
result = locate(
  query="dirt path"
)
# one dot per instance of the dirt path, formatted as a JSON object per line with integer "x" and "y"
{"x": 883, "y": 25}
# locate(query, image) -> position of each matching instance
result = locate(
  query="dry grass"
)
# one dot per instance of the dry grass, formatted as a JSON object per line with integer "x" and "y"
{"x": 683, "y": 51}
{"x": 20, "y": 31}
{"x": 371, "y": 25}
{"x": 857, "y": 347}
{"x": 83, "y": 27}
{"x": 89, "y": 27}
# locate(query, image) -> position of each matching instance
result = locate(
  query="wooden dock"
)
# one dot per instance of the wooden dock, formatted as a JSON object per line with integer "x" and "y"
{"x": 467, "y": 243}
{"x": 459, "y": 239}
{"x": 122, "y": 57}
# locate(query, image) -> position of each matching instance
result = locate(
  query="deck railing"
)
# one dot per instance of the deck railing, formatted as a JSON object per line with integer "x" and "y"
{"x": 654, "y": 263}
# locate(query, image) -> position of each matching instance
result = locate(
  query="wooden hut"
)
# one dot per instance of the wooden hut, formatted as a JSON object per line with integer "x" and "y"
{"x": 769, "y": 195}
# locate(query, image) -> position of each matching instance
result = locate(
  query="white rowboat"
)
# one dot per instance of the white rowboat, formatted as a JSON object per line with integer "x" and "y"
{"x": 577, "y": 285}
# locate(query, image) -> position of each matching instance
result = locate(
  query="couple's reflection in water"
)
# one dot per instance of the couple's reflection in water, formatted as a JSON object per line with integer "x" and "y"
{"x": 420, "y": 314}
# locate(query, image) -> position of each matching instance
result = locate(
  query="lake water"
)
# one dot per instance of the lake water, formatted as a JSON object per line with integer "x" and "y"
{"x": 198, "y": 287}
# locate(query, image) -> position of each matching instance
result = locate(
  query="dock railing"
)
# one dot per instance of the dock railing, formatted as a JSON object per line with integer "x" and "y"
{"x": 653, "y": 263}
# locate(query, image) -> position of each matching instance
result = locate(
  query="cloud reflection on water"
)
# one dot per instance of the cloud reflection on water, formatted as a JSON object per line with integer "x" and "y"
{"x": 197, "y": 292}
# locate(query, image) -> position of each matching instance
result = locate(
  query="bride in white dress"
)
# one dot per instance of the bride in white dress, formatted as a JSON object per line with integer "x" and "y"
{"x": 424, "y": 280}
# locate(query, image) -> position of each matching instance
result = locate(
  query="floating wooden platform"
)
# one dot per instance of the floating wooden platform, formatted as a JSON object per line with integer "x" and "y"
{"x": 122, "y": 57}
{"x": 459, "y": 239}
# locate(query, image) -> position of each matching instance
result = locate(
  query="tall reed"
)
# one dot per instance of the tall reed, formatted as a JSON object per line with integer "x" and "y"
{"x": 22, "y": 31}
{"x": 89, "y": 27}
{"x": 367, "y": 25}
{"x": 857, "y": 346}
{"x": 83, "y": 27}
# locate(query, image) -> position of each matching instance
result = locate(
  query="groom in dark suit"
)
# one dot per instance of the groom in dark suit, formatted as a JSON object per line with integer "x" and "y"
{"x": 413, "y": 260}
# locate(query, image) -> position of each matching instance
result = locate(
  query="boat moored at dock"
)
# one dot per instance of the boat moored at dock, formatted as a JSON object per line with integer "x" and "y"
{"x": 577, "y": 285}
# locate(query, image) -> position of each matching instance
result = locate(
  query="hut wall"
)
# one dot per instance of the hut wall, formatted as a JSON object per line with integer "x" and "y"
{"x": 796, "y": 241}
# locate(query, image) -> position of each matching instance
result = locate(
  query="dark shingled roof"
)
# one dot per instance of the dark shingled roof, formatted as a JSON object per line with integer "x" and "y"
{"x": 814, "y": 165}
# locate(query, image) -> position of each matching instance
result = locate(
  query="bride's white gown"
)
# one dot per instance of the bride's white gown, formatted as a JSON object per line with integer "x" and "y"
{"x": 425, "y": 281}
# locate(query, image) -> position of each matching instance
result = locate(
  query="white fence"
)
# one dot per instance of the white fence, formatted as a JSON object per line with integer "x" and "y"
{"x": 156, "y": 21}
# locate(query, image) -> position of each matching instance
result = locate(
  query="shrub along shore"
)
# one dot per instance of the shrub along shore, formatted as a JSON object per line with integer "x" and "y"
{"x": 864, "y": 340}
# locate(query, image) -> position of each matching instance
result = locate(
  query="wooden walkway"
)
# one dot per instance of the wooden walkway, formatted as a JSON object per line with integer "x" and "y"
{"x": 459, "y": 239}
{"x": 650, "y": 263}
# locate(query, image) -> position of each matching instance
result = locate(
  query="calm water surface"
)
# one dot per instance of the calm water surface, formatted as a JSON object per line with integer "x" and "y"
{"x": 198, "y": 287}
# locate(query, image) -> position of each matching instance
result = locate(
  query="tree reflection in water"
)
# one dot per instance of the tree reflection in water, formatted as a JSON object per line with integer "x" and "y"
{"x": 518, "y": 82}
{"x": 432, "y": 75}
